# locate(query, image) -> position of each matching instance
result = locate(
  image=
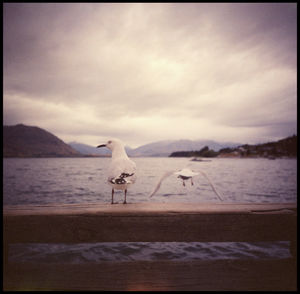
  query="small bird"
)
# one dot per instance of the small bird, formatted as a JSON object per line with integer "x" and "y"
{"x": 184, "y": 174}
{"x": 122, "y": 170}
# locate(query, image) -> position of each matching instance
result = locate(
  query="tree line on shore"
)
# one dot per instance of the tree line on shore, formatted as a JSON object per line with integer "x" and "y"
{"x": 285, "y": 147}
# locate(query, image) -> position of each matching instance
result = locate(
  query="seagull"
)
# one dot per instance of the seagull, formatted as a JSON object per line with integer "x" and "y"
{"x": 184, "y": 174}
{"x": 122, "y": 170}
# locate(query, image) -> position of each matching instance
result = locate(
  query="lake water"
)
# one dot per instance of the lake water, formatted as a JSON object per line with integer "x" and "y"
{"x": 83, "y": 180}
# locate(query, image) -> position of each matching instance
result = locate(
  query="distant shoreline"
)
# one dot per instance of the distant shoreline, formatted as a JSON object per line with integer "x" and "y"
{"x": 200, "y": 159}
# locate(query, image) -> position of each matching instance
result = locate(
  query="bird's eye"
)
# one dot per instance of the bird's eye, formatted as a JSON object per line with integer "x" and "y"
{"x": 109, "y": 142}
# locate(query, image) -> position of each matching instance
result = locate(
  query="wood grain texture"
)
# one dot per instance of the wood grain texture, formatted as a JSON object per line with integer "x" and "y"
{"x": 150, "y": 222}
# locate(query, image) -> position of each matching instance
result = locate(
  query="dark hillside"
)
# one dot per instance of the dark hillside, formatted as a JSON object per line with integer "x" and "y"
{"x": 28, "y": 141}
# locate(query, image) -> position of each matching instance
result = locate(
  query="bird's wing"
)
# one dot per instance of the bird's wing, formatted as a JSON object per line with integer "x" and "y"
{"x": 122, "y": 168}
{"x": 165, "y": 175}
{"x": 186, "y": 172}
{"x": 211, "y": 184}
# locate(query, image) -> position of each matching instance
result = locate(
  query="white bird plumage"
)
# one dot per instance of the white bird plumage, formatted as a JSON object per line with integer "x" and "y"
{"x": 122, "y": 170}
{"x": 185, "y": 174}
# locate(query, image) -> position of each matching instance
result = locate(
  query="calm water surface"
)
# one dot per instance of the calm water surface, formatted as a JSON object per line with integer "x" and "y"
{"x": 83, "y": 180}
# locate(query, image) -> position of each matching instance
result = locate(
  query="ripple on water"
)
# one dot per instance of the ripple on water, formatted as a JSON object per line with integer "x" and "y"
{"x": 95, "y": 252}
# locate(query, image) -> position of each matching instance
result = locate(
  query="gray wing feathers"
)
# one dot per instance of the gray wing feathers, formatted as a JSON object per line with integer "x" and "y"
{"x": 211, "y": 184}
{"x": 121, "y": 169}
{"x": 165, "y": 175}
{"x": 168, "y": 173}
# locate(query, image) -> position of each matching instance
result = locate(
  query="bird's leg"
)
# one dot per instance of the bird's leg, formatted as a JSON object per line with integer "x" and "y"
{"x": 125, "y": 197}
{"x": 183, "y": 183}
{"x": 192, "y": 181}
{"x": 112, "y": 196}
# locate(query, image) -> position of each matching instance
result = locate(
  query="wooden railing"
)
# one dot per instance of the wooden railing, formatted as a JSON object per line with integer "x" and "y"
{"x": 149, "y": 222}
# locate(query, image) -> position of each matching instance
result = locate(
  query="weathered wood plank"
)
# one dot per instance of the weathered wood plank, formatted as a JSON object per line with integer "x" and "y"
{"x": 150, "y": 222}
{"x": 215, "y": 275}
{"x": 148, "y": 208}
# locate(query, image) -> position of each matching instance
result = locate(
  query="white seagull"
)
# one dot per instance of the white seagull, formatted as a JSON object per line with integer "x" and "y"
{"x": 184, "y": 174}
{"x": 122, "y": 170}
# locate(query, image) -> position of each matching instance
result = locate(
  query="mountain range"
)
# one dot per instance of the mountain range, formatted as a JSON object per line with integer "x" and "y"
{"x": 157, "y": 149}
{"x": 30, "y": 141}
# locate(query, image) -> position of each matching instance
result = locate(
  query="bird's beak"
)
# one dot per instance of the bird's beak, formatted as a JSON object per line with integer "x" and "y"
{"x": 103, "y": 145}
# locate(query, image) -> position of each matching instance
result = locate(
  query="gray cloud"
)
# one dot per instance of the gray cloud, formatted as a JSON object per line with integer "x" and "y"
{"x": 139, "y": 70}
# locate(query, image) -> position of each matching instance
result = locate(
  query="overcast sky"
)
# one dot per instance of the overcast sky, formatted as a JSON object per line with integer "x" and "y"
{"x": 149, "y": 72}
